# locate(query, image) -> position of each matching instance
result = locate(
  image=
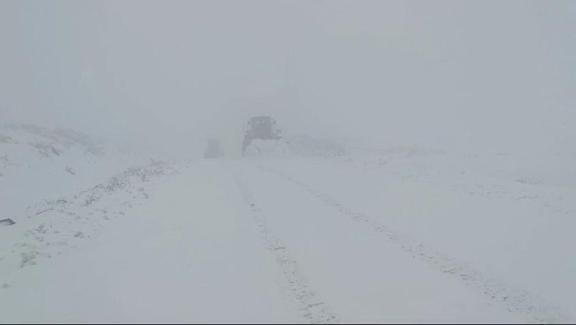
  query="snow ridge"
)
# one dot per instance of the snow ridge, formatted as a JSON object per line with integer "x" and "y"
{"x": 51, "y": 228}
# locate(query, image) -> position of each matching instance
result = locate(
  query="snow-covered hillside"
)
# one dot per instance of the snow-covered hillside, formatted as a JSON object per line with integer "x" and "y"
{"x": 38, "y": 163}
{"x": 26, "y": 145}
{"x": 59, "y": 187}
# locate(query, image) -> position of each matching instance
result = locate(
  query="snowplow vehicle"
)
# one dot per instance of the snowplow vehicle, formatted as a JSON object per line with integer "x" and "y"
{"x": 261, "y": 128}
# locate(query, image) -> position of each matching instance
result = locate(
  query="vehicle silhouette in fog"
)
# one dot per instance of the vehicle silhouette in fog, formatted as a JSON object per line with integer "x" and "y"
{"x": 261, "y": 128}
{"x": 213, "y": 149}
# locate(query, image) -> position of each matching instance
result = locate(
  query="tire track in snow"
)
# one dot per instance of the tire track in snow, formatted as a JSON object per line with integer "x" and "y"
{"x": 311, "y": 305}
{"x": 515, "y": 300}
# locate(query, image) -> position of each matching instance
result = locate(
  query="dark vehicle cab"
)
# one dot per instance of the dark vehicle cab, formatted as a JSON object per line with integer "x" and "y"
{"x": 260, "y": 127}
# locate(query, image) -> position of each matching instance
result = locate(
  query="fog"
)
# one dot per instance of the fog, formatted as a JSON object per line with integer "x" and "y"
{"x": 474, "y": 75}
{"x": 275, "y": 161}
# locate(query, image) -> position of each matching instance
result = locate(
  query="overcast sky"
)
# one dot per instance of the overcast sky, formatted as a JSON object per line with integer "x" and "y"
{"x": 479, "y": 75}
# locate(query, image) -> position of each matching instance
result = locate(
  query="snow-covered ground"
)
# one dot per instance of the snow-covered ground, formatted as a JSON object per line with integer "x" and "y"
{"x": 475, "y": 219}
{"x": 313, "y": 233}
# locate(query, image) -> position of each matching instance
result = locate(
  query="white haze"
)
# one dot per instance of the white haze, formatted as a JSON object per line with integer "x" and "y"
{"x": 493, "y": 76}
{"x": 425, "y": 170}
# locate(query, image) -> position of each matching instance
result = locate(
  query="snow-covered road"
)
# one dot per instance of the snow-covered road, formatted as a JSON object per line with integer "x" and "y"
{"x": 186, "y": 255}
{"x": 253, "y": 241}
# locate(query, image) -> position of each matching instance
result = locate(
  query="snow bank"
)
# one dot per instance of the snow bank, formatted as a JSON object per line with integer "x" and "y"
{"x": 51, "y": 228}
{"x": 297, "y": 146}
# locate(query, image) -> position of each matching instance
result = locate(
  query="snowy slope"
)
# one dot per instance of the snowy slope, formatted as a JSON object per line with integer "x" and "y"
{"x": 60, "y": 187}
{"x": 38, "y": 163}
{"x": 25, "y": 145}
